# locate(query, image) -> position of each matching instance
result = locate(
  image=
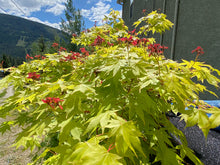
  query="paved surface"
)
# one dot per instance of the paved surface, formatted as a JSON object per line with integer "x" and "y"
{"x": 207, "y": 151}
{"x": 9, "y": 93}
{"x": 9, "y": 155}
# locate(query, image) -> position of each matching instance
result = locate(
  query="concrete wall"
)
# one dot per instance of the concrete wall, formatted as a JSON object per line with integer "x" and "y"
{"x": 197, "y": 24}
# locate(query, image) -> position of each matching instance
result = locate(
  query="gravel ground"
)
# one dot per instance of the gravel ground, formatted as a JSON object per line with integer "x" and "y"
{"x": 9, "y": 155}
{"x": 8, "y": 94}
{"x": 208, "y": 151}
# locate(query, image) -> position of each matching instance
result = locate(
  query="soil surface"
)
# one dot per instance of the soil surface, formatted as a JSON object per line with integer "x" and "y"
{"x": 8, "y": 94}
{"x": 10, "y": 155}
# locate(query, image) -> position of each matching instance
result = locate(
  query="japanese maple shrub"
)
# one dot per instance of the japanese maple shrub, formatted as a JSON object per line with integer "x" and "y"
{"x": 108, "y": 103}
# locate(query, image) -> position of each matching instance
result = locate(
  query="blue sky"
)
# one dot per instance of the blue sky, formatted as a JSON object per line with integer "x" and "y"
{"x": 50, "y": 12}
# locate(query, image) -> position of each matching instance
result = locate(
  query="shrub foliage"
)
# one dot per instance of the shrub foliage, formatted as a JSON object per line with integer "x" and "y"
{"x": 108, "y": 103}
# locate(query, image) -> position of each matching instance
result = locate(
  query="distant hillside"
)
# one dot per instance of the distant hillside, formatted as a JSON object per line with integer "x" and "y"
{"x": 17, "y": 34}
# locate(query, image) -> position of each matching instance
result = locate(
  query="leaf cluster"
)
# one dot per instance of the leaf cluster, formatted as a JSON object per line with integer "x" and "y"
{"x": 115, "y": 101}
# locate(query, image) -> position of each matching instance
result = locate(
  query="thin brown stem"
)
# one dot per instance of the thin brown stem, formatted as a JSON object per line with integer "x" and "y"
{"x": 197, "y": 57}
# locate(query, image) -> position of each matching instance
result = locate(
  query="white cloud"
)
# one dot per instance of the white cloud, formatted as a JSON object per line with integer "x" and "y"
{"x": 57, "y": 9}
{"x": 90, "y": 1}
{"x": 97, "y": 12}
{"x": 24, "y": 8}
{"x": 120, "y": 11}
{"x": 10, "y": 8}
{"x": 19, "y": 7}
{"x": 85, "y": 13}
{"x": 54, "y": 25}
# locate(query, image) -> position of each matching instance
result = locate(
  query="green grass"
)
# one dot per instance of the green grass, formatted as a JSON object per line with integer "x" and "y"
{"x": 2, "y": 94}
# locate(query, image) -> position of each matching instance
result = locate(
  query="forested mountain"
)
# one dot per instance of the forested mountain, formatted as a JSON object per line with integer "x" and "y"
{"x": 18, "y": 34}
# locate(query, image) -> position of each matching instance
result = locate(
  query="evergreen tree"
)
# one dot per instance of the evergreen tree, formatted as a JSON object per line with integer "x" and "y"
{"x": 34, "y": 48}
{"x": 6, "y": 62}
{"x": 72, "y": 25}
{"x": 41, "y": 45}
{"x": 57, "y": 39}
